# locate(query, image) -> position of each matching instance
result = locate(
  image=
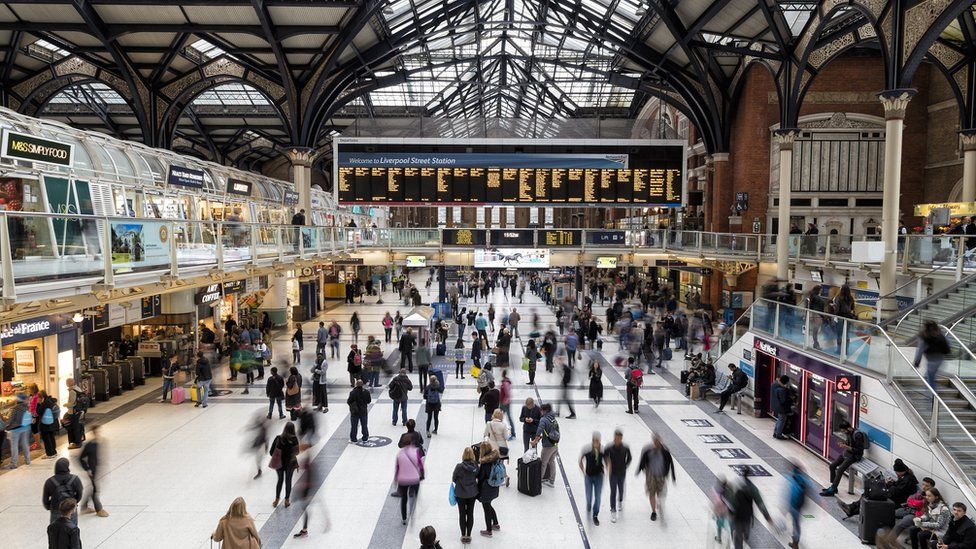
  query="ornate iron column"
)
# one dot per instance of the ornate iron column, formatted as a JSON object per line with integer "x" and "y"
{"x": 968, "y": 138}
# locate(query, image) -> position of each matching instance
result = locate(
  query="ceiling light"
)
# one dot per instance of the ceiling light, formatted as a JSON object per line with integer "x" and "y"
{"x": 641, "y": 11}
{"x": 388, "y": 10}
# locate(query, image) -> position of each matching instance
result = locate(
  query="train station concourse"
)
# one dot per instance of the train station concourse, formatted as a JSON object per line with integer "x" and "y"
{"x": 342, "y": 273}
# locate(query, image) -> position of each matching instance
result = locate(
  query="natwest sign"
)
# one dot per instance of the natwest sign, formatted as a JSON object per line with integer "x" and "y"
{"x": 767, "y": 348}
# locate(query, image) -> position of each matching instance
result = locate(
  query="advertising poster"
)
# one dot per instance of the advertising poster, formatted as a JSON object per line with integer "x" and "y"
{"x": 416, "y": 261}
{"x": 136, "y": 245}
{"x": 515, "y": 258}
{"x": 607, "y": 262}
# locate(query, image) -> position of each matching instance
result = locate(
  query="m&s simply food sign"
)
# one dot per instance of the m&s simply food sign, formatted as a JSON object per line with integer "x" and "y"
{"x": 21, "y": 146}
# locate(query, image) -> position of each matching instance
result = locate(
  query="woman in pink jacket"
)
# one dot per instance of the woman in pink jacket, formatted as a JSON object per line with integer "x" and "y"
{"x": 408, "y": 474}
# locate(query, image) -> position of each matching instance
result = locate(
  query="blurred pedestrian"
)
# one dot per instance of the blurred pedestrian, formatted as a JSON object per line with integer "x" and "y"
{"x": 744, "y": 498}
{"x": 591, "y": 463}
{"x": 89, "y": 458}
{"x": 618, "y": 458}
{"x": 656, "y": 464}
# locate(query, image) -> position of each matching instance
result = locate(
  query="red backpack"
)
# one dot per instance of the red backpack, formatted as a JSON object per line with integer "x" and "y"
{"x": 637, "y": 377}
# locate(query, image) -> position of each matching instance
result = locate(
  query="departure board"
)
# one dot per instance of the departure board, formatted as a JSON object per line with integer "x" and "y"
{"x": 644, "y": 174}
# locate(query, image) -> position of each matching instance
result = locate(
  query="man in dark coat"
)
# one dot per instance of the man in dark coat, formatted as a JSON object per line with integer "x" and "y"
{"x": 275, "y": 389}
{"x": 738, "y": 383}
{"x": 63, "y": 533}
{"x": 407, "y": 343}
{"x": 60, "y": 487}
{"x": 782, "y": 405}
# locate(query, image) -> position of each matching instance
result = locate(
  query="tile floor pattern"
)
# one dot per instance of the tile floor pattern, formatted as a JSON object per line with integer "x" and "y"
{"x": 170, "y": 472}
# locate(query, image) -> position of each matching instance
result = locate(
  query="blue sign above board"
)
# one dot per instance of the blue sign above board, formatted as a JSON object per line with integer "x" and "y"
{"x": 482, "y": 160}
{"x": 185, "y": 177}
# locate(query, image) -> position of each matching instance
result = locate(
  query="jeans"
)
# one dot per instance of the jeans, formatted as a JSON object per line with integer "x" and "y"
{"x": 780, "y": 424}
{"x": 204, "y": 390}
{"x": 93, "y": 495}
{"x": 167, "y": 387}
{"x": 19, "y": 440}
{"x": 402, "y": 406}
{"x": 319, "y": 395}
{"x": 507, "y": 408}
{"x": 795, "y": 517}
{"x": 593, "y": 485}
{"x": 616, "y": 489}
{"x": 284, "y": 477}
{"x": 548, "y": 457}
{"x": 931, "y": 370}
{"x": 406, "y": 492}
{"x": 271, "y": 405}
{"x": 355, "y": 420}
{"x": 837, "y": 468}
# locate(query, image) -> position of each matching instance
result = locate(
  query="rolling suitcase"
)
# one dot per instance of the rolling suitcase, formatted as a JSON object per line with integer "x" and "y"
{"x": 530, "y": 477}
{"x": 874, "y": 516}
{"x": 179, "y": 394}
{"x": 193, "y": 390}
{"x": 441, "y": 349}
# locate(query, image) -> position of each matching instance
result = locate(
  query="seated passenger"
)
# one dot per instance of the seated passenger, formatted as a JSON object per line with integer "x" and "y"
{"x": 899, "y": 489}
{"x": 962, "y": 532}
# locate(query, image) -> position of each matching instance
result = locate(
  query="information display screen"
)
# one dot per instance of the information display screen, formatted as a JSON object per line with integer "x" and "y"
{"x": 560, "y": 237}
{"x": 512, "y": 237}
{"x": 648, "y": 175}
{"x": 464, "y": 237}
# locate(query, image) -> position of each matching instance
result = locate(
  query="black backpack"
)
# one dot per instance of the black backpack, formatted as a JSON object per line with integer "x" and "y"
{"x": 63, "y": 491}
{"x": 82, "y": 402}
{"x": 396, "y": 389}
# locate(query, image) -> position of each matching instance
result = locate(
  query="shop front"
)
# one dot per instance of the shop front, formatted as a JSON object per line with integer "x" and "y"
{"x": 41, "y": 351}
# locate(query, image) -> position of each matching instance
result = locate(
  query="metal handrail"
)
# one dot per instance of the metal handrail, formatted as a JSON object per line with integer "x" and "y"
{"x": 959, "y": 342}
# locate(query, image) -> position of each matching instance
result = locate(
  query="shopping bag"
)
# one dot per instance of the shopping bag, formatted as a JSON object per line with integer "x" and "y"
{"x": 451, "y": 498}
{"x": 530, "y": 455}
{"x": 525, "y": 364}
{"x": 475, "y": 371}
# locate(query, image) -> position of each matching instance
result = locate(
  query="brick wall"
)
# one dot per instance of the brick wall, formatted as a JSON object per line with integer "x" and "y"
{"x": 847, "y": 84}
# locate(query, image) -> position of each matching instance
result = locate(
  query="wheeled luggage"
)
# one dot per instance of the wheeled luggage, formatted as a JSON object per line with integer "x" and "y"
{"x": 179, "y": 394}
{"x": 874, "y": 516}
{"x": 530, "y": 477}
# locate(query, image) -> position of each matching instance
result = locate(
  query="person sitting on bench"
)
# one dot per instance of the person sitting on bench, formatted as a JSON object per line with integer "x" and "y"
{"x": 897, "y": 489}
{"x": 738, "y": 382}
{"x": 905, "y": 515}
{"x": 853, "y": 452}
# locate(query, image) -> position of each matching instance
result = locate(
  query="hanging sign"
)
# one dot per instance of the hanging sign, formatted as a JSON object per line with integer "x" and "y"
{"x": 847, "y": 383}
{"x": 185, "y": 177}
{"x": 237, "y": 186}
{"x": 21, "y": 146}
{"x": 290, "y": 198}
{"x": 234, "y": 286}
{"x": 208, "y": 294}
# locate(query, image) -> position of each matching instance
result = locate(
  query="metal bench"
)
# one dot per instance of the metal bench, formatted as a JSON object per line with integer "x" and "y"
{"x": 862, "y": 468}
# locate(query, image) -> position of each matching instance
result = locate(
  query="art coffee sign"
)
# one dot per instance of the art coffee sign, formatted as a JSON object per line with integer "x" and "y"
{"x": 21, "y": 146}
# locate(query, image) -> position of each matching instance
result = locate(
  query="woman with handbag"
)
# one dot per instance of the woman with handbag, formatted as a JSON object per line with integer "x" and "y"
{"x": 236, "y": 529}
{"x": 293, "y": 392}
{"x": 284, "y": 460}
{"x": 465, "y": 487}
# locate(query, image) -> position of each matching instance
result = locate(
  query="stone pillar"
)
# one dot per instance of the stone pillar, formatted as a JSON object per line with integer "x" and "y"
{"x": 785, "y": 139}
{"x": 968, "y": 165}
{"x": 721, "y": 192}
{"x": 301, "y": 166}
{"x": 895, "y": 103}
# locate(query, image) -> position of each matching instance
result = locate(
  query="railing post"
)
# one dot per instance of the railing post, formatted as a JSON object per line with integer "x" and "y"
{"x": 6, "y": 258}
{"x": 698, "y": 240}
{"x": 843, "y": 341}
{"x": 806, "y": 327}
{"x": 918, "y": 290}
{"x": 219, "y": 246}
{"x": 934, "y": 420}
{"x": 776, "y": 320}
{"x": 827, "y": 251}
{"x": 663, "y": 235}
{"x": 890, "y": 370}
{"x": 252, "y": 229}
{"x": 108, "y": 273}
{"x": 960, "y": 250}
{"x": 279, "y": 243}
{"x": 174, "y": 256}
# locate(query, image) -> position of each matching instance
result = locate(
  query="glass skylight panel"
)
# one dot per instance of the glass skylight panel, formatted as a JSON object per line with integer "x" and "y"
{"x": 206, "y": 49}
{"x": 58, "y": 52}
{"x": 231, "y": 95}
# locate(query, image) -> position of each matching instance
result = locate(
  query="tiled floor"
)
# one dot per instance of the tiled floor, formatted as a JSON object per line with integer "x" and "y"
{"x": 170, "y": 472}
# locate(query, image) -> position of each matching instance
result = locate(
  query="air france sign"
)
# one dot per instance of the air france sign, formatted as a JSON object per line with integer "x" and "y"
{"x": 21, "y": 146}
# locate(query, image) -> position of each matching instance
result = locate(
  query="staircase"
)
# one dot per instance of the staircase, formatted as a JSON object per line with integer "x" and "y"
{"x": 955, "y": 304}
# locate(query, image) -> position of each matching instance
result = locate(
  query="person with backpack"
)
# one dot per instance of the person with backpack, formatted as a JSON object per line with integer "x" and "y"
{"x": 399, "y": 386}
{"x": 354, "y": 364}
{"x": 64, "y": 533}
{"x": 491, "y": 476}
{"x": 548, "y": 434}
{"x": 656, "y": 463}
{"x": 19, "y": 426}
{"x": 408, "y": 472}
{"x": 459, "y": 359}
{"x": 741, "y": 510}
{"x": 464, "y": 482}
{"x": 799, "y": 490}
{"x": 432, "y": 395}
{"x": 60, "y": 487}
{"x": 897, "y": 489}
{"x": 320, "y": 395}
{"x": 78, "y": 403}
{"x": 275, "y": 390}
{"x": 89, "y": 463}
{"x": 591, "y": 464}
{"x": 358, "y": 402}
{"x": 853, "y": 448}
{"x": 204, "y": 377}
{"x": 490, "y": 397}
{"x": 635, "y": 379}
{"x": 49, "y": 423}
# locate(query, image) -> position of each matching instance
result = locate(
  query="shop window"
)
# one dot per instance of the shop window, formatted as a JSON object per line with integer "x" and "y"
{"x": 22, "y": 366}
{"x": 29, "y": 236}
{"x": 815, "y": 406}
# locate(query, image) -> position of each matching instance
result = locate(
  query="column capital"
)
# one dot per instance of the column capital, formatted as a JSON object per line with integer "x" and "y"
{"x": 720, "y": 157}
{"x": 785, "y": 138}
{"x": 968, "y": 140}
{"x": 301, "y": 156}
{"x": 895, "y": 102}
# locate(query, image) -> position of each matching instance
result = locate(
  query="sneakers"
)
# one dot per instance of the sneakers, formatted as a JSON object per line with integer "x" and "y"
{"x": 103, "y": 513}
{"x": 596, "y": 521}
{"x": 74, "y": 446}
{"x": 485, "y": 533}
{"x": 654, "y": 515}
{"x": 301, "y": 534}
{"x": 613, "y": 516}
{"x": 828, "y": 492}
{"x": 571, "y": 416}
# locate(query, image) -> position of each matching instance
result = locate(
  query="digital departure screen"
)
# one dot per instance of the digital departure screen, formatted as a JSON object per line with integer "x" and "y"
{"x": 578, "y": 175}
